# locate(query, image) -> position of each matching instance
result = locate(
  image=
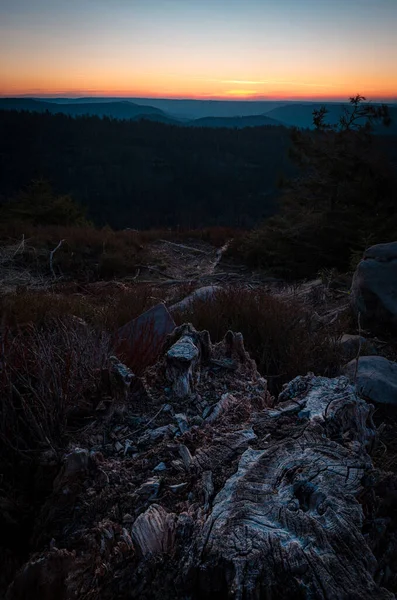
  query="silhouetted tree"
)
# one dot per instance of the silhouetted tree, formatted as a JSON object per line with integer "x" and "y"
{"x": 38, "y": 205}
{"x": 343, "y": 199}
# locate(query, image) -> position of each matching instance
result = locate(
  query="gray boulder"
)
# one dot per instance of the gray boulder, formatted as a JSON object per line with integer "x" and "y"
{"x": 145, "y": 334}
{"x": 204, "y": 294}
{"x": 376, "y": 379}
{"x": 351, "y": 344}
{"x": 374, "y": 287}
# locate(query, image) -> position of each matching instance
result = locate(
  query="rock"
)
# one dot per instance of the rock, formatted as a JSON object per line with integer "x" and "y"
{"x": 179, "y": 487}
{"x": 203, "y": 294}
{"x": 350, "y": 345}
{"x": 221, "y": 407}
{"x": 146, "y": 334}
{"x": 186, "y": 457}
{"x": 182, "y": 422}
{"x": 374, "y": 287}
{"x": 121, "y": 373}
{"x": 160, "y": 467}
{"x": 75, "y": 462}
{"x": 129, "y": 448}
{"x": 155, "y": 435}
{"x": 376, "y": 379}
{"x": 127, "y": 519}
{"x": 150, "y": 489}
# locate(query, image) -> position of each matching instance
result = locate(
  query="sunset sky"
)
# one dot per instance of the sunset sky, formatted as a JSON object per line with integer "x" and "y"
{"x": 254, "y": 49}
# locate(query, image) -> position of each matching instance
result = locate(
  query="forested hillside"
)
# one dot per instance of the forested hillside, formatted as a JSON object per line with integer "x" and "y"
{"x": 146, "y": 174}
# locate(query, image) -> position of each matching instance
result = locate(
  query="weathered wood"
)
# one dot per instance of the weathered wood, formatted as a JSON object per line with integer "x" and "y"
{"x": 254, "y": 501}
{"x": 182, "y": 360}
{"x": 289, "y": 517}
{"x": 154, "y": 531}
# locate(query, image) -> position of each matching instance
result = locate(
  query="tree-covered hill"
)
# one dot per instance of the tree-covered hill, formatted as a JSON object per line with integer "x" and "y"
{"x": 146, "y": 174}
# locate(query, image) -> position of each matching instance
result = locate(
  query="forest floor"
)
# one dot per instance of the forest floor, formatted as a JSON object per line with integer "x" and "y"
{"x": 138, "y": 441}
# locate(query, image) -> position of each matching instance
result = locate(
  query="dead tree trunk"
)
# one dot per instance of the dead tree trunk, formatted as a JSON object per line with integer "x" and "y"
{"x": 246, "y": 501}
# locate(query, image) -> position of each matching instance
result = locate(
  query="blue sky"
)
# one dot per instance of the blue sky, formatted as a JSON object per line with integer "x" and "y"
{"x": 217, "y": 48}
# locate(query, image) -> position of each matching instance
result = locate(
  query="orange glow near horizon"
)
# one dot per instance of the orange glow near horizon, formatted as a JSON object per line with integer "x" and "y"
{"x": 108, "y": 84}
{"x": 59, "y": 86}
{"x": 202, "y": 49}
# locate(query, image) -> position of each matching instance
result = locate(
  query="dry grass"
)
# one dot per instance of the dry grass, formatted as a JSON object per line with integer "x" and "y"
{"x": 88, "y": 253}
{"x": 278, "y": 334}
{"x": 104, "y": 307}
{"x": 44, "y": 376}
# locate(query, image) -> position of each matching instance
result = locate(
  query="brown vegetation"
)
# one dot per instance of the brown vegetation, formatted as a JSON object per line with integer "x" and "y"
{"x": 280, "y": 335}
{"x": 88, "y": 253}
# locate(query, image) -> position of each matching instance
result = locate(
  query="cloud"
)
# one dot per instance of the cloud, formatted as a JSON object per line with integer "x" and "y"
{"x": 269, "y": 82}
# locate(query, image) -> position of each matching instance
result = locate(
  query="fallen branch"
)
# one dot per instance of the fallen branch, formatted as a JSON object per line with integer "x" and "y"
{"x": 52, "y": 258}
{"x": 183, "y": 247}
{"x": 359, "y": 348}
{"x": 21, "y": 246}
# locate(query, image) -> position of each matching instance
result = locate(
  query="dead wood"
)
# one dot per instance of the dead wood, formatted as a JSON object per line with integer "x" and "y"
{"x": 227, "y": 495}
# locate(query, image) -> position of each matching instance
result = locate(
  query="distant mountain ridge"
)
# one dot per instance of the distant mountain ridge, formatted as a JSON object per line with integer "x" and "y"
{"x": 236, "y": 122}
{"x": 216, "y": 113}
{"x": 301, "y": 115}
{"x": 120, "y": 110}
{"x": 190, "y": 109}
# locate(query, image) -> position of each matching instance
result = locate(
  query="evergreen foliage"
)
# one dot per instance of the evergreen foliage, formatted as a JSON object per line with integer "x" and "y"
{"x": 146, "y": 174}
{"x": 343, "y": 200}
{"x": 37, "y": 204}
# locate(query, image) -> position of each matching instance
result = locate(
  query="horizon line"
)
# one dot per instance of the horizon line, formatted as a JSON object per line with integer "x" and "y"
{"x": 94, "y": 94}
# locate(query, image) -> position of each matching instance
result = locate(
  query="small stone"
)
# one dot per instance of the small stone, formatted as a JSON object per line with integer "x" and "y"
{"x": 160, "y": 467}
{"x": 207, "y": 411}
{"x": 178, "y": 487}
{"x": 128, "y": 518}
{"x": 375, "y": 379}
{"x": 150, "y": 489}
{"x": 118, "y": 447}
{"x": 155, "y": 435}
{"x": 76, "y": 461}
{"x": 178, "y": 465}
{"x": 129, "y": 448}
{"x": 186, "y": 457}
{"x": 182, "y": 421}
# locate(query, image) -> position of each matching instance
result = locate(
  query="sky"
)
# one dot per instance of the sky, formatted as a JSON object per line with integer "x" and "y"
{"x": 228, "y": 49}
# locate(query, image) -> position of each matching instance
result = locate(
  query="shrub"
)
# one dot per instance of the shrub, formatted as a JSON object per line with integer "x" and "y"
{"x": 344, "y": 196}
{"x": 37, "y": 204}
{"x": 86, "y": 253}
{"x": 104, "y": 307}
{"x": 45, "y": 375}
{"x": 278, "y": 334}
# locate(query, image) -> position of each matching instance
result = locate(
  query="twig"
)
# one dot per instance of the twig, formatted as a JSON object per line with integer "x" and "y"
{"x": 183, "y": 247}
{"x": 52, "y": 258}
{"x": 21, "y": 246}
{"x": 219, "y": 256}
{"x": 144, "y": 426}
{"x": 359, "y": 348}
